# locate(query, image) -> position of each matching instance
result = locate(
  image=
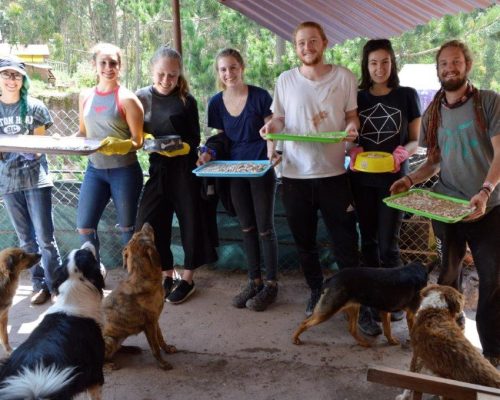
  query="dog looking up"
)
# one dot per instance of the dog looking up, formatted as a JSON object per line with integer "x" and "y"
{"x": 13, "y": 260}
{"x": 386, "y": 289}
{"x": 135, "y": 305}
{"x": 439, "y": 344}
{"x": 64, "y": 355}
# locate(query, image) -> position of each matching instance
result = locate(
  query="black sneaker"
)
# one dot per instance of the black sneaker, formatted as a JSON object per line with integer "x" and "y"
{"x": 313, "y": 300}
{"x": 249, "y": 291}
{"x": 366, "y": 323}
{"x": 264, "y": 297}
{"x": 168, "y": 282}
{"x": 181, "y": 293}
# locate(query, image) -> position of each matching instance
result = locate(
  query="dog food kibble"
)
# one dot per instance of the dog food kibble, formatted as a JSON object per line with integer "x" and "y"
{"x": 243, "y": 167}
{"x": 422, "y": 201}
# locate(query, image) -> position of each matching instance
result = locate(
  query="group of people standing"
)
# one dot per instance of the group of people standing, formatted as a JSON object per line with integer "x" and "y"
{"x": 460, "y": 129}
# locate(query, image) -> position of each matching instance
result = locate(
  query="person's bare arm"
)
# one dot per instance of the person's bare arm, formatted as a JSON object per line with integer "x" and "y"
{"x": 427, "y": 170}
{"x": 134, "y": 115}
{"x": 352, "y": 125}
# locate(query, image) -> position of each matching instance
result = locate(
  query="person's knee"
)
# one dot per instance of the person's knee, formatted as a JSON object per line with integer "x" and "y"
{"x": 268, "y": 234}
{"x": 249, "y": 229}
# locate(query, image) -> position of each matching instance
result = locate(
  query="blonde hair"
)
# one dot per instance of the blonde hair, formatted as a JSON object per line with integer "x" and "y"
{"x": 168, "y": 52}
{"x": 103, "y": 47}
{"x": 309, "y": 24}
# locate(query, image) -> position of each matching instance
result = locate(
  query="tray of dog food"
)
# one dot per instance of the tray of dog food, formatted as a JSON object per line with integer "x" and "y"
{"x": 233, "y": 169}
{"x": 431, "y": 205}
{"x": 322, "y": 137}
{"x": 163, "y": 143}
{"x": 70, "y": 145}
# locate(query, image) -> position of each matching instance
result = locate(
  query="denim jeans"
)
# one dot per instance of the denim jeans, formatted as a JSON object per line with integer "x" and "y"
{"x": 379, "y": 226}
{"x": 483, "y": 238}
{"x": 302, "y": 199}
{"x": 253, "y": 200}
{"x": 123, "y": 185}
{"x": 30, "y": 212}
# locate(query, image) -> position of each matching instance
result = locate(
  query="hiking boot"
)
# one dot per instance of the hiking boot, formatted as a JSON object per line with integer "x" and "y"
{"x": 313, "y": 300}
{"x": 168, "y": 282}
{"x": 181, "y": 293}
{"x": 366, "y": 322}
{"x": 249, "y": 291}
{"x": 264, "y": 297}
{"x": 40, "y": 297}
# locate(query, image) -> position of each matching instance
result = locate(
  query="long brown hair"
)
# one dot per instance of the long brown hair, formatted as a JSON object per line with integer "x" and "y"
{"x": 168, "y": 52}
{"x": 433, "y": 111}
{"x": 369, "y": 47}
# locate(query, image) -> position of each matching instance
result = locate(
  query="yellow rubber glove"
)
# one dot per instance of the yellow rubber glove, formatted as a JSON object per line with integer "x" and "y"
{"x": 148, "y": 136}
{"x": 174, "y": 153}
{"x": 112, "y": 146}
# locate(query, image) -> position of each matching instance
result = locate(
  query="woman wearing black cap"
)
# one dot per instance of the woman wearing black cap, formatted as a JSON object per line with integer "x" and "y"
{"x": 25, "y": 184}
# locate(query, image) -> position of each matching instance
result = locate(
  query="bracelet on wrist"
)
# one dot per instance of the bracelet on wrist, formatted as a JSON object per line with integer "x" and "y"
{"x": 409, "y": 179}
{"x": 205, "y": 149}
{"x": 489, "y": 186}
{"x": 485, "y": 190}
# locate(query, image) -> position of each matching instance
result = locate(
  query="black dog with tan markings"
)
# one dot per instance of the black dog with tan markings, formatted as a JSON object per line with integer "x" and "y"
{"x": 135, "y": 305}
{"x": 386, "y": 289}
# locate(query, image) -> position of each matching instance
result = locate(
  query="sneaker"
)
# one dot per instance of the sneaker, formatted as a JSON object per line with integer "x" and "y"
{"x": 168, "y": 282}
{"x": 249, "y": 291}
{"x": 264, "y": 297}
{"x": 181, "y": 293}
{"x": 366, "y": 322}
{"x": 40, "y": 297}
{"x": 313, "y": 300}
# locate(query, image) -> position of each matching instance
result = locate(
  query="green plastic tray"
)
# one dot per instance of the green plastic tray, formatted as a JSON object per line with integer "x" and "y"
{"x": 323, "y": 137}
{"x": 390, "y": 202}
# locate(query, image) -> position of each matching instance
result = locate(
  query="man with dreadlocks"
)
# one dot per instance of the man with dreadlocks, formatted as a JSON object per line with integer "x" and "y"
{"x": 461, "y": 130}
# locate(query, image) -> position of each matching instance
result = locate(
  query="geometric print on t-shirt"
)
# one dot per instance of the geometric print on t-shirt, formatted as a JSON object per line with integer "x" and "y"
{"x": 380, "y": 123}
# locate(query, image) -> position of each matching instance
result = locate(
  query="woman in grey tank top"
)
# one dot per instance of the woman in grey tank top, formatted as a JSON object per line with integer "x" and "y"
{"x": 115, "y": 115}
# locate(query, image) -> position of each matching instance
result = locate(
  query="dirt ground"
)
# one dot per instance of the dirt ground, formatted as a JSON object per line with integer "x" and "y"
{"x": 227, "y": 353}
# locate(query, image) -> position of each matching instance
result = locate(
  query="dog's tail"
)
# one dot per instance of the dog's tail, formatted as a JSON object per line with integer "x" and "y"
{"x": 40, "y": 382}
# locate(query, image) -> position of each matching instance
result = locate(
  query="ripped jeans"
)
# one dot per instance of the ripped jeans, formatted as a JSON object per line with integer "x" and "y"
{"x": 253, "y": 200}
{"x": 123, "y": 185}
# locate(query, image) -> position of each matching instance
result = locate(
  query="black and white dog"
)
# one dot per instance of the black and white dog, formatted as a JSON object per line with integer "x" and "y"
{"x": 64, "y": 355}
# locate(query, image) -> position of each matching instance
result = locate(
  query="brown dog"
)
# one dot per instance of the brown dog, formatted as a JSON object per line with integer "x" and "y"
{"x": 439, "y": 344}
{"x": 386, "y": 289}
{"x": 135, "y": 305}
{"x": 13, "y": 260}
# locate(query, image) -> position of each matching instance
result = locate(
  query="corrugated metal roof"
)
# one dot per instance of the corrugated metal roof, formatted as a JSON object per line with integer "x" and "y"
{"x": 347, "y": 19}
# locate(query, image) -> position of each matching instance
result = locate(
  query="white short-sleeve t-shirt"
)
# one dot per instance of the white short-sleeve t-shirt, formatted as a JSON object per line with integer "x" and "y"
{"x": 314, "y": 106}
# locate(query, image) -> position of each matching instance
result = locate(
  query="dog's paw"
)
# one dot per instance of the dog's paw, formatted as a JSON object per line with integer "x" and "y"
{"x": 296, "y": 341}
{"x": 393, "y": 341}
{"x": 110, "y": 366}
{"x": 164, "y": 365}
{"x": 169, "y": 349}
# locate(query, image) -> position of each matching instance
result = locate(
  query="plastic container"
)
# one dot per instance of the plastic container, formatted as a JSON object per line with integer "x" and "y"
{"x": 321, "y": 137}
{"x": 233, "y": 169}
{"x": 374, "y": 162}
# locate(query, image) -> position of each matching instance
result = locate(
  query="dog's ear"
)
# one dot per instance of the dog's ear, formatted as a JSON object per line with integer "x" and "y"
{"x": 153, "y": 256}
{"x": 90, "y": 247}
{"x": 59, "y": 276}
{"x": 125, "y": 256}
{"x": 454, "y": 299}
{"x": 10, "y": 263}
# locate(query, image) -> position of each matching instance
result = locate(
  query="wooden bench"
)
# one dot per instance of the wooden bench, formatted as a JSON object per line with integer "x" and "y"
{"x": 421, "y": 383}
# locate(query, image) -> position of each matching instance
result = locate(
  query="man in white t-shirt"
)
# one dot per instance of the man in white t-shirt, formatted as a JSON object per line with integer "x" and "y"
{"x": 316, "y": 97}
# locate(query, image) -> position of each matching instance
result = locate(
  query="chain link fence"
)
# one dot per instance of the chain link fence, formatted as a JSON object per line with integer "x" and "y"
{"x": 417, "y": 240}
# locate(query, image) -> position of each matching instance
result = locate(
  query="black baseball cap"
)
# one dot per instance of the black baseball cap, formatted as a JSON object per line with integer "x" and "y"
{"x": 12, "y": 62}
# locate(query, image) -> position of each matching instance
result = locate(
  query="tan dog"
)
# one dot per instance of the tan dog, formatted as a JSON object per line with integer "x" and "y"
{"x": 13, "y": 260}
{"x": 135, "y": 305}
{"x": 439, "y": 344}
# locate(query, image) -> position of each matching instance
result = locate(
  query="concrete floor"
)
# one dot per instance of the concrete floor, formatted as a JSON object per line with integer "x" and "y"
{"x": 227, "y": 353}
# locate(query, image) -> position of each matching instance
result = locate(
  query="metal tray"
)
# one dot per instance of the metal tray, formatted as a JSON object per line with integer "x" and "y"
{"x": 322, "y": 137}
{"x": 204, "y": 170}
{"x": 163, "y": 143}
{"x": 71, "y": 145}
{"x": 390, "y": 202}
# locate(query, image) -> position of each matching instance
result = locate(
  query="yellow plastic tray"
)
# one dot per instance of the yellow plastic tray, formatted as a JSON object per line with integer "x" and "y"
{"x": 374, "y": 162}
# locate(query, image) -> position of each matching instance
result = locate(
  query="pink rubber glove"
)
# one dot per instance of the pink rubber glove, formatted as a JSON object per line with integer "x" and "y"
{"x": 400, "y": 155}
{"x": 353, "y": 153}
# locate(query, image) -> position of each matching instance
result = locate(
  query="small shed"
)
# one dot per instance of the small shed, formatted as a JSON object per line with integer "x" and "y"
{"x": 36, "y": 58}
